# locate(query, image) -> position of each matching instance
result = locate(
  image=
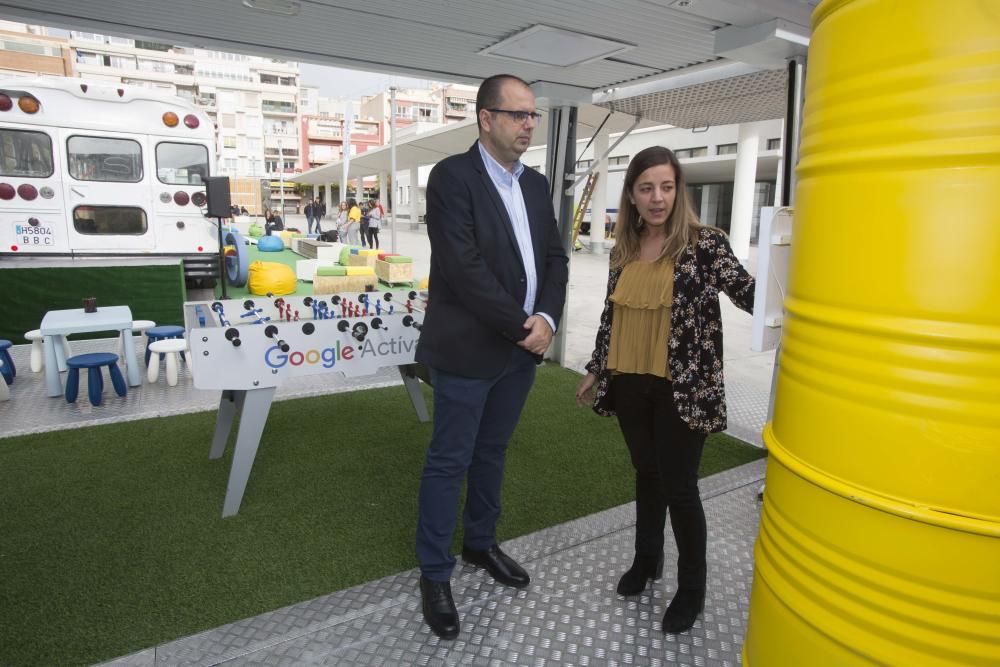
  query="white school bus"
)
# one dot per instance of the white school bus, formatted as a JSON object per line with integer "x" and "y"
{"x": 95, "y": 170}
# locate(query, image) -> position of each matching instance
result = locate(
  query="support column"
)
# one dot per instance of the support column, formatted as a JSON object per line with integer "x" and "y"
{"x": 599, "y": 199}
{"x": 560, "y": 162}
{"x": 415, "y": 197}
{"x": 330, "y": 210}
{"x": 748, "y": 143}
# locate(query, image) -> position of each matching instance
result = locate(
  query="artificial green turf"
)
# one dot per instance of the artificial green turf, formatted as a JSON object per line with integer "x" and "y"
{"x": 111, "y": 537}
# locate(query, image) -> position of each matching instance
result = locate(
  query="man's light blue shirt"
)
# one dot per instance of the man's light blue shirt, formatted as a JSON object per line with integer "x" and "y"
{"x": 509, "y": 188}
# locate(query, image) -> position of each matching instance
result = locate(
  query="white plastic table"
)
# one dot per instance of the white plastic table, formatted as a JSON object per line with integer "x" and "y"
{"x": 59, "y": 323}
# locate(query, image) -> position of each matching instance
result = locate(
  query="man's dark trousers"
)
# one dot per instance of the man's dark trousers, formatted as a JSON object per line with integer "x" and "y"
{"x": 474, "y": 419}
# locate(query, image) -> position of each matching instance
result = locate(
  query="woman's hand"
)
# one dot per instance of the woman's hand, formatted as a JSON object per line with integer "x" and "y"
{"x": 585, "y": 390}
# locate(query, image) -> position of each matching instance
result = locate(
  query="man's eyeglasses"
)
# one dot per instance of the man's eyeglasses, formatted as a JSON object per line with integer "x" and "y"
{"x": 519, "y": 116}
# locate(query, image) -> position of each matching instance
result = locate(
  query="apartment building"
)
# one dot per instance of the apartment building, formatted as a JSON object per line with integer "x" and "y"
{"x": 26, "y": 50}
{"x": 324, "y": 131}
{"x": 417, "y": 109}
{"x": 253, "y": 100}
{"x": 458, "y": 101}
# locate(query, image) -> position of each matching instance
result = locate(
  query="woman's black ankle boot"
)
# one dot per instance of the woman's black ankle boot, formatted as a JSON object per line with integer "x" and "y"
{"x": 644, "y": 567}
{"x": 683, "y": 610}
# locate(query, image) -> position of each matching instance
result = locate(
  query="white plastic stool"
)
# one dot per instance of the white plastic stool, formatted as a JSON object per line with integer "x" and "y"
{"x": 37, "y": 355}
{"x": 138, "y": 327}
{"x": 170, "y": 348}
{"x": 37, "y": 358}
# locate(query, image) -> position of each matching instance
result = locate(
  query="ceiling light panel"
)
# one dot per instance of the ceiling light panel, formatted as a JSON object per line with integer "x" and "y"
{"x": 545, "y": 45}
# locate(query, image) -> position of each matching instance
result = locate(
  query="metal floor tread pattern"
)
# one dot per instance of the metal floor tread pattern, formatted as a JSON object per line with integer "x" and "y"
{"x": 569, "y": 615}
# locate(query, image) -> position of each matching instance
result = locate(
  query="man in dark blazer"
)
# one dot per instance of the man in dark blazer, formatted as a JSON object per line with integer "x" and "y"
{"x": 498, "y": 286}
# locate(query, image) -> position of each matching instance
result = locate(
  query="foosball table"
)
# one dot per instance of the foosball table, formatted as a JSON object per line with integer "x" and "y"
{"x": 248, "y": 347}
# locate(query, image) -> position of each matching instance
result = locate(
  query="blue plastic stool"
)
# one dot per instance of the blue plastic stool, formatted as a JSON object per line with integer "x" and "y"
{"x": 163, "y": 332}
{"x": 7, "y": 370}
{"x": 95, "y": 379}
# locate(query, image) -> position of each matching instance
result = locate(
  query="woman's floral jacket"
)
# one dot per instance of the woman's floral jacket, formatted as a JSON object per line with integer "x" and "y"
{"x": 695, "y": 344}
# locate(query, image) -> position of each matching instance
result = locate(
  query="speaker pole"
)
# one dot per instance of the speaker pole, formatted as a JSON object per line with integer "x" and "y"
{"x": 222, "y": 262}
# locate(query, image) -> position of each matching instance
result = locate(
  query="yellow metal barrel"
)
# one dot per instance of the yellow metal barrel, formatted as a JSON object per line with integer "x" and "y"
{"x": 880, "y": 531}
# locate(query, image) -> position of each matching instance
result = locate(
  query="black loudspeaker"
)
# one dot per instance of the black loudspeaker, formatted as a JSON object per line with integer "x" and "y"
{"x": 217, "y": 191}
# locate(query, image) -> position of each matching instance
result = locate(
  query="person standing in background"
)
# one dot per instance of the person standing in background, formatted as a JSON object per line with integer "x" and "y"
{"x": 354, "y": 223}
{"x": 319, "y": 212}
{"x": 309, "y": 216}
{"x": 374, "y": 223}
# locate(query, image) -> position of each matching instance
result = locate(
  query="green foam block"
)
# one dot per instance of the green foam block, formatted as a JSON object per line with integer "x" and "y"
{"x": 331, "y": 270}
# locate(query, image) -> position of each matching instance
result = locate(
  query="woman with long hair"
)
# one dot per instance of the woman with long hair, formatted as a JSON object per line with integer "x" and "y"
{"x": 657, "y": 365}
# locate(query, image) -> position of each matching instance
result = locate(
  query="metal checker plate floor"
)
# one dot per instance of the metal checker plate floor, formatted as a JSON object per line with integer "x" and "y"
{"x": 569, "y": 615}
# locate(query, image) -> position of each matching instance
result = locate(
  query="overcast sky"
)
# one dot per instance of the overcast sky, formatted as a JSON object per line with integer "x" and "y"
{"x": 352, "y": 84}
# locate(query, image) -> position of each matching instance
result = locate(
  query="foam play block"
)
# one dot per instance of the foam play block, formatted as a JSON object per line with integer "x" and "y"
{"x": 329, "y": 251}
{"x": 305, "y": 269}
{"x": 389, "y": 272}
{"x": 335, "y": 284}
{"x": 399, "y": 259}
{"x": 360, "y": 270}
{"x": 361, "y": 260}
{"x": 331, "y": 270}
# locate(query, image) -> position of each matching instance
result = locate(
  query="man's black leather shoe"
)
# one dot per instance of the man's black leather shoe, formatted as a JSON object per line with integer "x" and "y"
{"x": 501, "y": 567}
{"x": 439, "y": 608}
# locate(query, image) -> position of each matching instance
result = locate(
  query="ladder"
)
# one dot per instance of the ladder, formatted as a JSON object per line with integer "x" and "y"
{"x": 581, "y": 210}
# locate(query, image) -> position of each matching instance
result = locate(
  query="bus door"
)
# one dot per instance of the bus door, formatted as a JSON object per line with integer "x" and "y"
{"x": 32, "y": 219}
{"x": 108, "y": 192}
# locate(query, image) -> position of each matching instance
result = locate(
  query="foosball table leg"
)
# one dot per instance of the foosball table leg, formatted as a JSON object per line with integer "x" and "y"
{"x": 253, "y": 417}
{"x": 412, "y": 384}
{"x": 228, "y": 405}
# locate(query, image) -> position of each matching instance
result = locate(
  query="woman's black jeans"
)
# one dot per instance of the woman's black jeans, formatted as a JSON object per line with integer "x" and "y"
{"x": 665, "y": 453}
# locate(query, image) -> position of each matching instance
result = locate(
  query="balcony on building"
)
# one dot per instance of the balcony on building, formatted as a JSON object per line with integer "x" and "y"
{"x": 459, "y": 108}
{"x": 278, "y": 108}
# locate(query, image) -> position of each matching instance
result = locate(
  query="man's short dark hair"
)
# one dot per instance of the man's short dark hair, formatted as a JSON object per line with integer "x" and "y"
{"x": 488, "y": 96}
